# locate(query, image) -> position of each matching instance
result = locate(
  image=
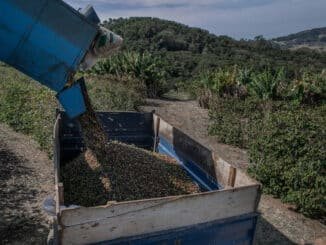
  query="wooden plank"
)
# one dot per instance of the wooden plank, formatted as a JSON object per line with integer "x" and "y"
{"x": 166, "y": 130}
{"x": 222, "y": 170}
{"x": 58, "y": 186}
{"x": 242, "y": 179}
{"x": 89, "y": 225}
{"x": 56, "y": 162}
{"x": 232, "y": 176}
{"x": 229, "y": 176}
{"x": 157, "y": 121}
{"x": 82, "y": 215}
{"x": 60, "y": 193}
{"x": 56, "y": 150}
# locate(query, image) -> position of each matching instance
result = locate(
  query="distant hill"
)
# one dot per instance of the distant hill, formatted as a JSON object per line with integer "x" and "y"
{"x": 313, "y": 39}
{"x": 188, "y": 51}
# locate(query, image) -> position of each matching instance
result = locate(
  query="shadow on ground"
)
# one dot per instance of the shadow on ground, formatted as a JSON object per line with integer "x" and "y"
{"x": 19, "y": 211}
{"x": 266, "y": 233}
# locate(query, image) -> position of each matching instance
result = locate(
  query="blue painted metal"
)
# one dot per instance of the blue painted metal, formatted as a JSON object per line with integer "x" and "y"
{"x": 72, "y": 100}
{"x": 45, "y": 39}
{"x": 90, "y": 14}
{"x": 232, "y": 231}
{"x": 205, "y": 181}
{"x": 127, "y": 127}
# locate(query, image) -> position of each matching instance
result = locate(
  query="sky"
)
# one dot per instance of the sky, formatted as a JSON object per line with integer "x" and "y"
{"x": 236, "y": 18}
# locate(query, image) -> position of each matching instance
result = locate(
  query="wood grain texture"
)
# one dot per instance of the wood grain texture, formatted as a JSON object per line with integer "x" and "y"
{"x": 166, "y": 130}
{"x": 242, "y": 179}
{"x": 232, "y": 176}
{"x": 156, "y": 122}
{"x": 222, "y": 170}
{"x": 88, "y": 225}
{"x": 56, "y": 162}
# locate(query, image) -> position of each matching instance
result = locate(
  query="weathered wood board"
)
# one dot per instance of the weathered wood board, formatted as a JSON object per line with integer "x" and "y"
{"x": 86, "y": 225}
{"x": 223, "y": 172}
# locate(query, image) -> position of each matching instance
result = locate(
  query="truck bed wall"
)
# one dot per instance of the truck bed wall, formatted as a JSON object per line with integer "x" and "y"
{"x": 211, "y": 163}
{"x": 163, "y": 218}
{"x": 127, "y": 219}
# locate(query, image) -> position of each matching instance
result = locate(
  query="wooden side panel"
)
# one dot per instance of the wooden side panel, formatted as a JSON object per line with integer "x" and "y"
{"x": 224, "y": 173}
{"x": 232, "y": 176}
{"x": 188, "y": 147}
{"x": 242, "y": 179}
{"x": 194, "y": 151}
{"x": 82, "y": 215}
{"x": 59, "y": 191}
{"x": 56, "y": 161}
{"x": 222, "y": 170}
{"x": 156, "y": 124}
{"x": 89, "y": 225}
{"x": 166, "y": 130}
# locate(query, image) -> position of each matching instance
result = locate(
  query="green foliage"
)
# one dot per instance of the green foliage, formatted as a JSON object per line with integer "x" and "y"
{"x": 265, "y": 85}
{"x": 288, "y": 157}
{"x": 223, "y": 83}
{"x": 281, "y": 122}
{"x": 27, "y": 107}
{"x": 270, "y": 84}
{"x": 113, "y": 93}
{"x": 286, "y": 144}
{"x": 313, "y": 35}
{"x": 232, "y": 119}
{"x": 309, "y": 88}
{"x": 187, "y": 52}
{"x": 244, "y": 76}
{"x": 144, "y": 67}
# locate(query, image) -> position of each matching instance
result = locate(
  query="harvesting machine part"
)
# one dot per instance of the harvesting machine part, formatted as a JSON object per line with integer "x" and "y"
{"x": 49, "y": 41}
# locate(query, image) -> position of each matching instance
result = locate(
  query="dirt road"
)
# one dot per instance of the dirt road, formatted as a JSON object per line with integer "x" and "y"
{"x": 277, "y": 224}
{"x": 26, "y": 179}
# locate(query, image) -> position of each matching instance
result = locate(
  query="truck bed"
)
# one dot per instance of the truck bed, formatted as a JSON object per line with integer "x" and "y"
{"x": 224, "y": 213}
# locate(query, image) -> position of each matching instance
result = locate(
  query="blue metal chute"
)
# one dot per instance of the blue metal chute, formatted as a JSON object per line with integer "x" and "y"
{"x": 72, "y": 100}
{"x": 47, "y": 40}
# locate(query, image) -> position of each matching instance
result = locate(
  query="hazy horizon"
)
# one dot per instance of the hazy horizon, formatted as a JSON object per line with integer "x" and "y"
{"x": 235, "y": 18}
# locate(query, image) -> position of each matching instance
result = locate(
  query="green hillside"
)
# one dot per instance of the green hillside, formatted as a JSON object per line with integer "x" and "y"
{"x": 313, "y": 35}
{"x": 313, "y": 39}
{"x": 188, "y": 51}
